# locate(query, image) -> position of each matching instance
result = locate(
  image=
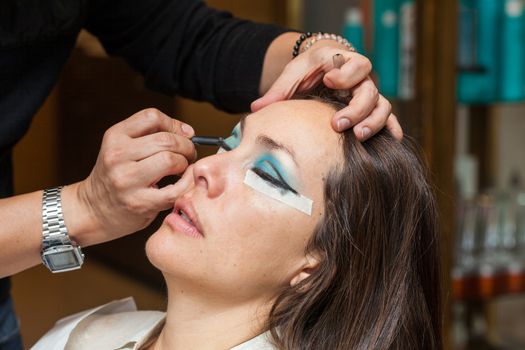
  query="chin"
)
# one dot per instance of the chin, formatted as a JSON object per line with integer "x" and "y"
{"x": 159, "y": 249}
{"x": 151, "y": 250}
{"x": 170, "y": 254}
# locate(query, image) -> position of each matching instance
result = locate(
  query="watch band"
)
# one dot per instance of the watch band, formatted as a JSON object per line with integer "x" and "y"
{"x": 59, "y": 252}
{"x": 53, "y": 227}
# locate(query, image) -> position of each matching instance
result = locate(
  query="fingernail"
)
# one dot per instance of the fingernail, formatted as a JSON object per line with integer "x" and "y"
{"x": 343, "y": 124}
{"x": 187, "y": 130}
{"x": 338, "y": 60}
{"x": 365, "y": 132}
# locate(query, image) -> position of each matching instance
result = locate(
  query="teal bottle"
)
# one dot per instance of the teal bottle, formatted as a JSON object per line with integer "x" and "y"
{"x": 512, "y": 58}
{"x": 386, "y": 46}
{"x": 479, "y": 24}
{"x": 353, "y": 28}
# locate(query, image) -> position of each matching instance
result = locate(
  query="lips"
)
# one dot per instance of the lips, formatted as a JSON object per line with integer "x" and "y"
{"x": 184, "y": 219}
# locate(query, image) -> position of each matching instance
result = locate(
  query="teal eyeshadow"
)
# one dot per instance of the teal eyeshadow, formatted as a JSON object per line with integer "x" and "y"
{"x": 270, "y": 165}
{"x": 234, "y": 139}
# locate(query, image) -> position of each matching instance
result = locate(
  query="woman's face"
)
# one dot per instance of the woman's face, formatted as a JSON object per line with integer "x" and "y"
{"x": 244, "y": 244}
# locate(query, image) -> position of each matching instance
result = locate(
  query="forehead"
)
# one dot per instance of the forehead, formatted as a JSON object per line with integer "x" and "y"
{"x": 301, "y": 125}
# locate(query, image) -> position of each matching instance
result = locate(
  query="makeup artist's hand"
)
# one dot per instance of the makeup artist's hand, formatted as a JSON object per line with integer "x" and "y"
{"x": 121, "y": 192}
{"x": 368, "y": 111}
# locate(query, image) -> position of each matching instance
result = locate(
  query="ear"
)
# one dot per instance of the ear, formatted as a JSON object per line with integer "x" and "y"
{"x": 311, "y": 262}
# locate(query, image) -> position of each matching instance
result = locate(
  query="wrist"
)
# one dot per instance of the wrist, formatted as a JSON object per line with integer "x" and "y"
{"x": 322, "y": 44}
{"x": 324, "y": 39}
{"x": 79, "y": 219}
{"x": 276, "y": 58}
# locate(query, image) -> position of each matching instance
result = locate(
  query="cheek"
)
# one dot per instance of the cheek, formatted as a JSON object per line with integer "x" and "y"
{"x": 252, "y": 212}
{"x": 270, "y": 237}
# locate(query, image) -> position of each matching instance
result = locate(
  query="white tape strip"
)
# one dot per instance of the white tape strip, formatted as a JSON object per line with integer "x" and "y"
{"x": 296, "y": 201}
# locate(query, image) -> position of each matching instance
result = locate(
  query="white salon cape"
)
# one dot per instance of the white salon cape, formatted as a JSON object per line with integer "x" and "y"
{"x": 117, "y": 326}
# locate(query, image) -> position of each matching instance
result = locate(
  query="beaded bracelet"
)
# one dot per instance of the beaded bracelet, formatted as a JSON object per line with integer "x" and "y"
{"x": 298, "y": 43}
{"x": 317, "y": 37}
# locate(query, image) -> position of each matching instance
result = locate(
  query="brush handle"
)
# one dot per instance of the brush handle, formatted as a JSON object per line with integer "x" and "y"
{"x": 207, "y": 140}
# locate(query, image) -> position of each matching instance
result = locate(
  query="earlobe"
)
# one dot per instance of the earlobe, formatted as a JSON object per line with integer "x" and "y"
{"x": 299, "y": 277}
{"x": 311, "y": 264}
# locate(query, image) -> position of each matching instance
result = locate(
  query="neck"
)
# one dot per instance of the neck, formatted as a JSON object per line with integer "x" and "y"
{"x": 202, "y": 321}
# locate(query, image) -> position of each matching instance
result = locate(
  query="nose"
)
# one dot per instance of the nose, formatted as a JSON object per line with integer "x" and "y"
{"x": 210, "y": 174}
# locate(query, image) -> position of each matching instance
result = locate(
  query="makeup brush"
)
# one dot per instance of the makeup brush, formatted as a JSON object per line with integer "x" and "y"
{"x": 210, "y": 141}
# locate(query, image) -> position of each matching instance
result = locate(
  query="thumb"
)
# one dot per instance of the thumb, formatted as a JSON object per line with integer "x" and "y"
{"x": 282, "y": 89}
{"x": 268, "y": 98}
{"x": 171, "y": 192}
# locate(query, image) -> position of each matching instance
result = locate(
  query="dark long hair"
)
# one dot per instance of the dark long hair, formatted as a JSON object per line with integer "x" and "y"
{"x": 378, "y": 282}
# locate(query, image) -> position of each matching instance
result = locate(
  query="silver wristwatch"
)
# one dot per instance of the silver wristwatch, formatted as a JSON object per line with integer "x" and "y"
{"x": 59, "y": 253}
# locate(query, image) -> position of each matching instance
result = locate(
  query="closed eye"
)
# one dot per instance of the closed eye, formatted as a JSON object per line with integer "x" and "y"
{"x": 276, "y": 179}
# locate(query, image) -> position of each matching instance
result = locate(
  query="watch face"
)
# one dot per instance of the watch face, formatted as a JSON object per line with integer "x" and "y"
{"x": 62, "y": 258}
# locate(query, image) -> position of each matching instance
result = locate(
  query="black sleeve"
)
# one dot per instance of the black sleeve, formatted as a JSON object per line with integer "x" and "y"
{"x": 184, "y": 47}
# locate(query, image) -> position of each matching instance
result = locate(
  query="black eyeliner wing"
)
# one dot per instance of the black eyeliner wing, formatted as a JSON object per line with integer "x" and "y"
{"x": 279, "y": 182}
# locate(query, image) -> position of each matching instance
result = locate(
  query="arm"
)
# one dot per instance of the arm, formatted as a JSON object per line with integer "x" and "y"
{"x": 118, "y": 197}
{"x": 21, "y": 231}
{"x": 184, "y": 47}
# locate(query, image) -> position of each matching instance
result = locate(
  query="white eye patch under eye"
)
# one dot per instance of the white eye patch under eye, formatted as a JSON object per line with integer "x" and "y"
{"x": 296, "y": 201}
